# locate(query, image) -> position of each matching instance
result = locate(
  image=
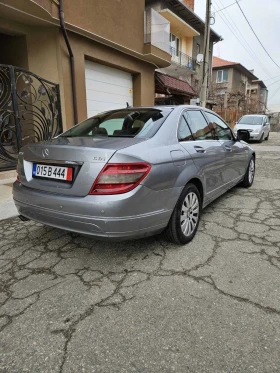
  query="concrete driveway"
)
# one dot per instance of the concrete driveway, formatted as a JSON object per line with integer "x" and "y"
{"x": 71, "y": 304}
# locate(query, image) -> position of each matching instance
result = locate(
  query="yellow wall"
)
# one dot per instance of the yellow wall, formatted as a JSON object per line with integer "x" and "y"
{"x": 42, "y": 52}
{"x": 13, "y": 50}
{"x": 119, "y": 21}
{"x": 45, "y": 54}
{"x": 186, "y": 44}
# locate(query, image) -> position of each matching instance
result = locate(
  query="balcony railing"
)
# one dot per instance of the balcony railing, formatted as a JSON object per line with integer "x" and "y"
{"x": 182, "y": 59}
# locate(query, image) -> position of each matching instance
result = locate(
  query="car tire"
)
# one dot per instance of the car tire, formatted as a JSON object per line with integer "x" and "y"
{"x": 267, "y": 137}
{"x": 261, "y": 139}
{"x": 250, "y": 174}
{"x": 185, "y": 218}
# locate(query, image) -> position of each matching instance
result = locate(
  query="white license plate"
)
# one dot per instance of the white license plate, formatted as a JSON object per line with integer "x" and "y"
{"x": 52, "y": 172}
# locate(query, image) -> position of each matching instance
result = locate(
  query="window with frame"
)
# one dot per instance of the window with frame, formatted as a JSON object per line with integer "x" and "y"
{"x": 174, "y": 44}
{"x": 218, "y": 127}
{"x": 222, "y": 76}
{"x": 198, "y": 125}
{"x": 184, "y": 132}
{"x": 121, "y": 123}
{"x": 111, "y": 125}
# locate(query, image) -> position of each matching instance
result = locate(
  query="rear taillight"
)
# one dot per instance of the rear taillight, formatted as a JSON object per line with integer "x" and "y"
{"x": 18, "y": 178}
{"x": 120, "y": 178}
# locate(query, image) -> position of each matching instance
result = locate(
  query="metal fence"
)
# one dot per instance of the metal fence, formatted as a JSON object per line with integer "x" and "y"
{"x": 182, "y": 59}
{"x": 30, "y": 112}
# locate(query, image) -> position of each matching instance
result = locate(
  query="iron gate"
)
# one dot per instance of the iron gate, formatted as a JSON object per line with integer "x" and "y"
{"x": 29, "y": 112}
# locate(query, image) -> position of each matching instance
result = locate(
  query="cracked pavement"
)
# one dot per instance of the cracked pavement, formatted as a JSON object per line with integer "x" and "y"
{"x": 72, "y": 304}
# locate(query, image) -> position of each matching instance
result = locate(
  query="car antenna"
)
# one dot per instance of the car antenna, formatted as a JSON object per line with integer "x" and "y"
{"x": 127, "y": 105}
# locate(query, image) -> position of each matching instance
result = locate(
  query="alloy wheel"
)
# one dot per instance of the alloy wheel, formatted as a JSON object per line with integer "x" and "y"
{"x": 189, "y": 214}
{"x": 251, "y": 170}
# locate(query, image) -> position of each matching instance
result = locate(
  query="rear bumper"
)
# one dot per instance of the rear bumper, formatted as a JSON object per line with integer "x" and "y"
{"x": 119, "y": 217}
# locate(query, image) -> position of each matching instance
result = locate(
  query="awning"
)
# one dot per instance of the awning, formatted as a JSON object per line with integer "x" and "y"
{"x": 169, "y": 85}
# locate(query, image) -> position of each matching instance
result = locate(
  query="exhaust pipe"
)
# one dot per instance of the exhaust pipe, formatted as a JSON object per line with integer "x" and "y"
{"x": 23, "y": 218}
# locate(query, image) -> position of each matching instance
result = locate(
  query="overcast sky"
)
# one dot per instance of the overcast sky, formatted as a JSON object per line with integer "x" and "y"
{"x": 264, "y": 16}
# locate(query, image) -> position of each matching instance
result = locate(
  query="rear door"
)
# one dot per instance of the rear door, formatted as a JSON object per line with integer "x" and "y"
{"x": 207, "y": 153}
{"x": 236, "y": 153}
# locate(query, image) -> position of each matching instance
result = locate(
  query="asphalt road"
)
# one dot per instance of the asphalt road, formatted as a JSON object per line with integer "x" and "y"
{"x": 70, "y": 304}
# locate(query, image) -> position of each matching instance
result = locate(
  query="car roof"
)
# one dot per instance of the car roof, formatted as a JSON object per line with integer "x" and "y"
{"x": 159, "y": 107}
{"x": 254, "y": 115}
{"x": 166, "y": 107}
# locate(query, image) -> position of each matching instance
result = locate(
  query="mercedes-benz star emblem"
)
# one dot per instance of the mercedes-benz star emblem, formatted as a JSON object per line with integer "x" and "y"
{"x": 45, "y": 152}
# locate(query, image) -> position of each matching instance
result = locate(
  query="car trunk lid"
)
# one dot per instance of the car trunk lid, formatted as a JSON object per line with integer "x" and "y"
{"x": 86, "y": 157}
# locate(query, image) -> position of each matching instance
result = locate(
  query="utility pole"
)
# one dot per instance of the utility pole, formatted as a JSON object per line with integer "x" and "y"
{"x": 205, "y": 66}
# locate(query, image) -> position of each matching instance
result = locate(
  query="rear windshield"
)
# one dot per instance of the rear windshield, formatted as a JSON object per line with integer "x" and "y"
{"x": 121, "y": 123}
{"x": 251, "y": 120}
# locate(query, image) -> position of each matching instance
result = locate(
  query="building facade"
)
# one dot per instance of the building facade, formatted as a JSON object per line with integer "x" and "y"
{"x": 257, "y": 93}
{"x": 111, "y": 63}
{"x": 236, "y": 88}
{"x": 173, "y": 27}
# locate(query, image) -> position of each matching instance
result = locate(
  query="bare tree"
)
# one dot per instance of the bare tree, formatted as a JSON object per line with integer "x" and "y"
{"x": 236, "y": 99}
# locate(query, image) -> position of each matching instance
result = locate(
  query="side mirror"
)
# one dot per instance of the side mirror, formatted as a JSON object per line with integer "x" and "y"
{"x": 243, "y": 135}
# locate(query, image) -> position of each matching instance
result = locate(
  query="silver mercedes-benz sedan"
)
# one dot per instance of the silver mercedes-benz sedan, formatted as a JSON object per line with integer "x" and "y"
{"x": 133, "y": 172}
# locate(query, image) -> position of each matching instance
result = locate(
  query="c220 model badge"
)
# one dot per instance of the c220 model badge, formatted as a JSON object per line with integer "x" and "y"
{"x": 99, "y": 159}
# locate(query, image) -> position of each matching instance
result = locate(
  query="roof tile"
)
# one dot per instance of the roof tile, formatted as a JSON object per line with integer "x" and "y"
{"x": 219, "y": 62}
{"x": 174, "y": 83}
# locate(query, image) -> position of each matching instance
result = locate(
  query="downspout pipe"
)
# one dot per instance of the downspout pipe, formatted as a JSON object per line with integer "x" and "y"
{"x": 72, "y": 60}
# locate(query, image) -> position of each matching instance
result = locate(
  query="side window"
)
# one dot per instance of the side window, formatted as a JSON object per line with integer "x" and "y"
{"x": 198, "y": 125}
{"x": 221, "y": 130}
{"x": 184, "y": 133}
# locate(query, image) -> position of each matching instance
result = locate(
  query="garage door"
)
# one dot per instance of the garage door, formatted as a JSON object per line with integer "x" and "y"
{"x": 106, "y": 88}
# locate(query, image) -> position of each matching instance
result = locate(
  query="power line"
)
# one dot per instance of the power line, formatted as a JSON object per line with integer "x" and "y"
{"x": 230, "y": 24}
{"x": 256, "y": 35}
{"x": 277, "y": 81}
{"x": 240, "y": 36}
{"x": 226, "y": 7}
{"x": 277, "y": 90}
{"x": 266, "y": 80}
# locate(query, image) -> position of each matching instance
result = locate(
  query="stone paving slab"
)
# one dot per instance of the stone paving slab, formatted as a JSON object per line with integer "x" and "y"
{"x": 72, "y": 304}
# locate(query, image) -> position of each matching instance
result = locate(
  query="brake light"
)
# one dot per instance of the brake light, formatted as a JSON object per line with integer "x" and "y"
{"x": 120, "y": 178}
{"x": 18, "y": 178}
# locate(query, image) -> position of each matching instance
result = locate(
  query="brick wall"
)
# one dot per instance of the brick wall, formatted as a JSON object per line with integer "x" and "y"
{"x": 189, "y": 3}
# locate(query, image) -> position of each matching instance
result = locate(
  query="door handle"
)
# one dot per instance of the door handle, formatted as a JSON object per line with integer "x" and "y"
{"x": 228, "y": 148}
{"x": 199, "y": 149}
